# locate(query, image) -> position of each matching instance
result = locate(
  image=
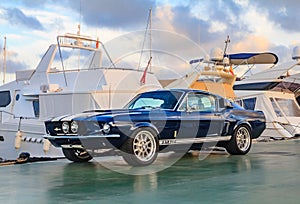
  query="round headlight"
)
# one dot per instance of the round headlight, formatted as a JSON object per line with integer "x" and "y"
{"x": 65, "y": 127}
{"x": 74, "y": 127}
{"x": 106, "y": 128}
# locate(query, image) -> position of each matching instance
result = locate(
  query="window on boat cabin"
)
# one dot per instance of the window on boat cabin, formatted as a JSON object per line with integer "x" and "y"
{"x": 5, "y": 98}
{"x": 288, "y": 106}
{"x": 249, "y": 103}
{"x": 199, "y": 102}
{"x": 73, "y": 59}
{"x": 36, "y": 108}
{"x": 276, "y": 108}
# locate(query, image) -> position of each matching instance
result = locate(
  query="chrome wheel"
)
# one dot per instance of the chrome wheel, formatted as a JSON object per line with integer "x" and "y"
{"x": 144, "y": 146}
{"x": 141, "y": 148}
{"x": 240, "y": 142}
{"x": 243, "y": 139}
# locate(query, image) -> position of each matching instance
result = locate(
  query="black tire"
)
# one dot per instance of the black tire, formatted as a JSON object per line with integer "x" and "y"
{"x": 141, "y": 148}
{"x": 77, "y": 155}
{"x": 240, "y": 142}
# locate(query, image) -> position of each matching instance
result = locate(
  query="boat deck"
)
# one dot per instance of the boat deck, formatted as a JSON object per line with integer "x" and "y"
{"x": 269, "y": 173}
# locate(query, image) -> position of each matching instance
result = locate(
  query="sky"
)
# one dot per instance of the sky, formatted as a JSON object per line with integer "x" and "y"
{"x": 30, "y": 26}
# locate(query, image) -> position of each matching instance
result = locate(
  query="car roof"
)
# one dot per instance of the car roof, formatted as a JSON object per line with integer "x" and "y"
{"x": 186, "y": 91}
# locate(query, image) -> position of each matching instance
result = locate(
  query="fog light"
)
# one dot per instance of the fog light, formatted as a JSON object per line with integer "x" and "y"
{"x": 65, "y": 127}
{"x": 106, "y": 128}
{"x": 74, "y": 127}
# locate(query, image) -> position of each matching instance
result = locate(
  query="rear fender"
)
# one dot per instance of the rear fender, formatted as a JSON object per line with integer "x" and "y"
{"x": 239, "y": 123}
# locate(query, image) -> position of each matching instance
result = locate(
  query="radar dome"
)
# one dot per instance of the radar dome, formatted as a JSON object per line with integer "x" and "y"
{"x": 296, "y": 53}
{"x": 216, "y": 54}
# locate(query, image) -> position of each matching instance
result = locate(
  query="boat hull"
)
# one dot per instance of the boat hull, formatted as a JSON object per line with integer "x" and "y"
{"x": 31, "y": 141}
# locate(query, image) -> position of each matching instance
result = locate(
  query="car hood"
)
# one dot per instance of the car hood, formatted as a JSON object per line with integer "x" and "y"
{"x": 98, "y": 114}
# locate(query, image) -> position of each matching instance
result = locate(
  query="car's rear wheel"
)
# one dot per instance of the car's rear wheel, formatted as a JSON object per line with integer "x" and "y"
{"x": 240, "y": 142}
{"x": 141, "y": 148}
{"x": 77, "y": 155}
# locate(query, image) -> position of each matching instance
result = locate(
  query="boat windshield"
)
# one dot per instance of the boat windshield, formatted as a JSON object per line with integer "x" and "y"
{"x": 155, "y": 100}
{"x": 73, "y": 59}
{"x": 288, "y": 106}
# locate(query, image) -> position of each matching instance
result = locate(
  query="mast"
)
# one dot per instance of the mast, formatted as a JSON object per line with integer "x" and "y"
{"x": 79, "y": 43}
{"x": 4, "y": 60}
{"x": 150, "y": 35}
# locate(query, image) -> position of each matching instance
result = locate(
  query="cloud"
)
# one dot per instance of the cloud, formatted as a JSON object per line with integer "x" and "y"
{"x": 34, "y": 3}
{"x": 251, "y": 43}
{"x": 16, "y": 17}
{"x": 113, "y": 13}
{"x": 163, "y": 18}
{"x": 284, "y": 13}
{"x": 13, "y": 66}
{"x": 206, "y": 22}
{"x": 12, "y": 63}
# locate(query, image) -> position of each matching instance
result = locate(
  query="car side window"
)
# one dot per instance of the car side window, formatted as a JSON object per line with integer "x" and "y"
{"x": 199, "y": 102}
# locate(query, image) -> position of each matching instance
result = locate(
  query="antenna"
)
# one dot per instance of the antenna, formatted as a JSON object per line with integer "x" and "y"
{"x": 62, "y": 62}
{"x": 147, "y": 28}
{"x": 4, "y": 60}
{"x": 80, "y": 12}
{"x": 227, "y": 41}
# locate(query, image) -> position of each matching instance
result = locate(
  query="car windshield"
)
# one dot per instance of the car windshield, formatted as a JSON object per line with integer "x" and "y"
{"x": 155, "y": 100}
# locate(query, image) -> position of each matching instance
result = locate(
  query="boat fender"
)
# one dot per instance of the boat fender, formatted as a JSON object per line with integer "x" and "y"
{"x": 46, "y": 145}
{"x": 18, "y": 139}
{"x": 24, "y": 155}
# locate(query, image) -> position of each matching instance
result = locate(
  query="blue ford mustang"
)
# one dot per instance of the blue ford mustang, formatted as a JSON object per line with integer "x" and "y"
{"x": 179, "y": 119}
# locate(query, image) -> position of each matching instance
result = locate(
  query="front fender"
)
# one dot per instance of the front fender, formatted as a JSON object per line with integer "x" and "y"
{"x": 143, "y": 125}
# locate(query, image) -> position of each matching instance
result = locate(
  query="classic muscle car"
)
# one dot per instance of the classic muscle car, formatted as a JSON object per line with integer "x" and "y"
{"x": 154, "y": 121}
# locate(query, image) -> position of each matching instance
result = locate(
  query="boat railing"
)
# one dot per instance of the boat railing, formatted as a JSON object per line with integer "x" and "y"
{"x": 78, "y": 41}
{"x": 54, "y": 70}
{"x": 2, "y": 112}
{"x": 6, "y": 112}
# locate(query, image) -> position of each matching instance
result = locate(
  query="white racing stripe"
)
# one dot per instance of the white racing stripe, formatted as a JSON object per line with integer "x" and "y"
{"x": 193, "y": 140}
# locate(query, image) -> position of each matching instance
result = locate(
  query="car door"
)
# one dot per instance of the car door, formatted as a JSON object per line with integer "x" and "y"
{"x": 200, "y": 116}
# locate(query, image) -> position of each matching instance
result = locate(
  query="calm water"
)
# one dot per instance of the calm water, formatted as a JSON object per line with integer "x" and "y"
{"x": 270, "y": 173}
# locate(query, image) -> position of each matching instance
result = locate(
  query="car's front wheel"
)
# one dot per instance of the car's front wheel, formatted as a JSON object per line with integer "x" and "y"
{"x": 77, "y": 155}
{"x": 141, "y": 148}
{"x": 240, "y": 142}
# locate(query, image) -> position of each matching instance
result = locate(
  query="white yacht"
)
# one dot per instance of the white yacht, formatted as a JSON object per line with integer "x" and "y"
{"x": 268, "y": 91}
{"x": 215, "y": 73}
{"x": 69, "y": 79}
{"x": 273, "y": 91}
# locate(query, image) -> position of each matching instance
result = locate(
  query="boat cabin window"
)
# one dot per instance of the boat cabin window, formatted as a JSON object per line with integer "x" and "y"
{"x": 5, "y": 98}
{"x": 36, "y": 108}
{"x": 256, "y": 86}
{"x": 73, "y": 59}
{"x": 288, "y": 106}
{"x": 276, "y": 108}
{"x": 248, "y": 104}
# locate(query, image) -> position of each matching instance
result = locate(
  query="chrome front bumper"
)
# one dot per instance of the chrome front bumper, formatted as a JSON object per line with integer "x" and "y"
{"x": 79, "y": 137}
